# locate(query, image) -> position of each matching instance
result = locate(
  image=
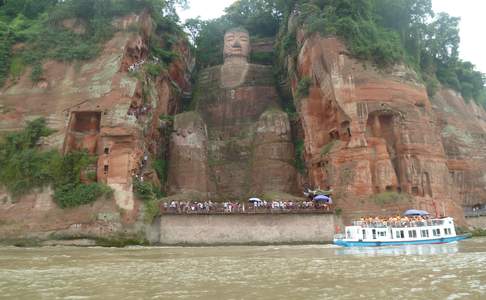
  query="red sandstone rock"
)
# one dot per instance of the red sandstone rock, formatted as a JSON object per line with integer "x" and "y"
{"x": 100, "y": 108}
{"x": 385, "y": 135}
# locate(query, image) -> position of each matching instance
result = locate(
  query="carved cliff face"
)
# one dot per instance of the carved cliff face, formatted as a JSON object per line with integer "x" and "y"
{"x": 241, "y": 145}
{"x": 236, "y": 44}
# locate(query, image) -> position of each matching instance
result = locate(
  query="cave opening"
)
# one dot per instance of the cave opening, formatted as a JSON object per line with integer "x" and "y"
{"x": 86, "y": 121}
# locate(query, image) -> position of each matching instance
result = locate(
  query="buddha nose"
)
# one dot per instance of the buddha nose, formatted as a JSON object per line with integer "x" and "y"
{"x": 237, "y": 44}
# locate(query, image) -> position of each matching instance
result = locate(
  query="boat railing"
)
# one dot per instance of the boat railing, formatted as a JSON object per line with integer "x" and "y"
{"x": 398, "y": 224}
{"x": 339, "y": 236}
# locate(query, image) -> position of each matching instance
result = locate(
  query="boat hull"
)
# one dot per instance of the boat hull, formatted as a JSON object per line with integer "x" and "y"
{"x": 444, "y": 240}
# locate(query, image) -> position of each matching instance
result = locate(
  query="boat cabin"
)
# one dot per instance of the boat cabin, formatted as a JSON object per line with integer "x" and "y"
{"x": 400, "y": 231}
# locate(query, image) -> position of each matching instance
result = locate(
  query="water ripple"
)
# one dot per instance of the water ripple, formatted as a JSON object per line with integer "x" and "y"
{"x": 453, "y": 271}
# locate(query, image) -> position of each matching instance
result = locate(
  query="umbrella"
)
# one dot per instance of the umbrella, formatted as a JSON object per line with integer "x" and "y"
{"x": 254, "y": 200}
{"x": 323, "y": 198}
{"x": 416, "y": 212}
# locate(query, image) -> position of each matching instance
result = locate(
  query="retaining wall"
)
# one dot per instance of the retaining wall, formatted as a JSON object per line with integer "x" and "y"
{"x": 477, "y": 222}
{"x": 233, "y": 229}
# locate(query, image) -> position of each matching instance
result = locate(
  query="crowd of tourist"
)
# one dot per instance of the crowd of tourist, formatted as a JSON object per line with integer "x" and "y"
{"x": 239, "y": 207}
{"x": 138, "y": 111}
{"x": 136, "y": 66}
{"x": 395, "y": 221}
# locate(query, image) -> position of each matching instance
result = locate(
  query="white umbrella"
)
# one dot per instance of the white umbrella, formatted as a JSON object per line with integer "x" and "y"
{"x": 254, "y": 200}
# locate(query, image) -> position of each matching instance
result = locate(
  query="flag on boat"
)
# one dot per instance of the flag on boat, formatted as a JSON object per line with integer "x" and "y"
{"x": 323, "y": 198}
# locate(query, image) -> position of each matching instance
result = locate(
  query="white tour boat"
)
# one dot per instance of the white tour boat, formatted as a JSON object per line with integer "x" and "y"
{"x": 416, "y": 227}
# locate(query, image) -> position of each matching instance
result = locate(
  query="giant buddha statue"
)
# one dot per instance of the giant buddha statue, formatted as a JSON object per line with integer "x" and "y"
{"x": 237, "y": 141}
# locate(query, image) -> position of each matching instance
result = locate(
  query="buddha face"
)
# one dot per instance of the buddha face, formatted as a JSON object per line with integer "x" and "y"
{"x": 236, "y": 44}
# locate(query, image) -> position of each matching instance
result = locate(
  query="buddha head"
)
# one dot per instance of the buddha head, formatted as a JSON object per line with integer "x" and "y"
{"x": 236, "y": 43}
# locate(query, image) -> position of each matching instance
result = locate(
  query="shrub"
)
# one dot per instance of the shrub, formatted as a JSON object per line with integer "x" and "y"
{"x": 338, "y": 211}
{"x": 144, "y": 190}
{"x": 327, "y": 147}
{"x": 303, "y": 88}
{"x": 6, "y": 41}
{"x": 151, "y": 210}
{"x": 72, "y": 195}
{"x": 26, "y": 167}
{"x": 161, "y": 167}
{"x": 164, "y": 117}
{"x": 39, "y": 27}
{"x": 154, "y": 70}
{"x": 299, "y": 162}
{"x": 37, "y": 71}
{"x": 263, "y": 58}
{"x": 478, "y": 232}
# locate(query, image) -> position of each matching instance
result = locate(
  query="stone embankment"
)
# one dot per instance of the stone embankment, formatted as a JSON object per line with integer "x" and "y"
{"x": 246, "y": 229}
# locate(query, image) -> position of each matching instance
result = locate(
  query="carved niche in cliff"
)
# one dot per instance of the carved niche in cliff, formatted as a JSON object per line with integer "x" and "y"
{"x": 242, "y": 144}
{"x": 83, "y": 131}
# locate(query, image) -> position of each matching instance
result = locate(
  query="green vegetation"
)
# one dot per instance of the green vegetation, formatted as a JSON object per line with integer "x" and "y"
{"x": 164, "y": 117}
{"x": 151, "y": 210}
{"x": 39, "y": 25}
{"x": 392, "y": 31}
{"x": 150, "y": 195}
{"x": 260, "y": 17}
{"x": 72, "y": 195}
{"x": 26, "y": 167}
{"x": 299, "y": 161}
{"x": 154, "y": 70}
{"x": 144, "y": 190}
{"x": 328, "y": 147}
{"x": 478, "y": 232}
{"x": 384, "y": 32}
{"x": 389, "y": 198}
{"x": 262, "y": 58}
{"x": 303, "y": 87}
{"x": 161, "y": 166}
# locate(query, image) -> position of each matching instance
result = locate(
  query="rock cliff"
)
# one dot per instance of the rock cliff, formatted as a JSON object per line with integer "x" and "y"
{"x": 371, "y": 135}
{"x": 237, "y": 142}
{"x": 376, "y": 139}
{"x": 108, "y": 107}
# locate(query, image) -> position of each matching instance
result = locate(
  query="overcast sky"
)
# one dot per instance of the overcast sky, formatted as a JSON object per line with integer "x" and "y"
{"x": 472, "y": 26}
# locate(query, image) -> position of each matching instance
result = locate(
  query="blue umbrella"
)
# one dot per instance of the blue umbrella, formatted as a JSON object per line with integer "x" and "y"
{"x": 323, "y": 198}
{"x": 416, "y": 212}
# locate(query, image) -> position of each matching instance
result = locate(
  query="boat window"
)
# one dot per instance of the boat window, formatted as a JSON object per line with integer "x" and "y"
{"x": 412, "y": 234}
{"x": 348, "y": 234}
{"x": 364, "y": 234}
{"x": 382, "y": 233}
{"x": 424, "y": 233}
{"x": 436, "y": 232}
{"x": 402, "y": 234}
{"x": 447, "y": 231}
{"x": 374, "y": 233}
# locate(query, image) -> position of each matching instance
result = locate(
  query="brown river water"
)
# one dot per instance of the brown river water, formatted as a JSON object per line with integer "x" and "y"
{"x": 448, "y": 271}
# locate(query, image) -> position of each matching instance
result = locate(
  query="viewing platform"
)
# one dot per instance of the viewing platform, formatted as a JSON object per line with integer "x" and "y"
{"x": 225, "y": 208}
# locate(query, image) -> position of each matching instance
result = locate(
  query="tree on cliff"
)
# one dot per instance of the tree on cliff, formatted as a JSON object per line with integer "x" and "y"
{"x": 262, "y": 18}
{"x": 383, "y": 31}
{"x": 393, "y": 31}
{"x": 26, "y": 167}
{"x": 37, "y": 24}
